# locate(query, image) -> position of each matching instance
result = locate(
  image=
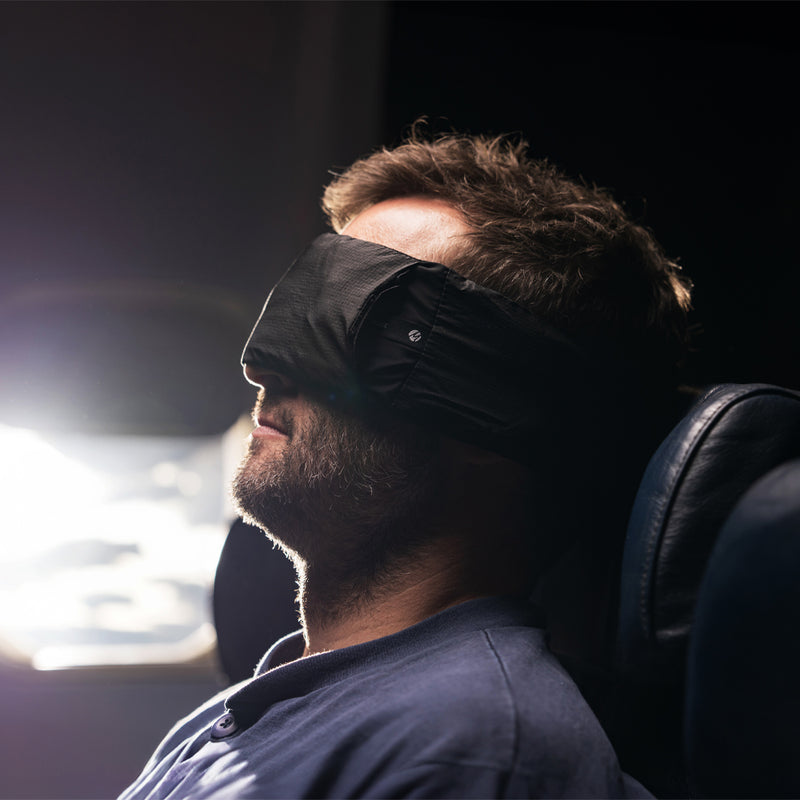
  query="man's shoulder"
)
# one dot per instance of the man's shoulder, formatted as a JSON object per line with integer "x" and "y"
{"x": 553, "y": 721}
{"x": 539, "y": 686}
{"x": 492, "y": 690}
{"x": 493, "y": 704}
{"x": 507, "y": 672}
{"x": 511, "y": 662}
{"x": 476, "y": 665}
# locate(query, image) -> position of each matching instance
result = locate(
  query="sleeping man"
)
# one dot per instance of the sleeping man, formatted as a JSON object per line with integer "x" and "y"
{"x": 458, "y": 389}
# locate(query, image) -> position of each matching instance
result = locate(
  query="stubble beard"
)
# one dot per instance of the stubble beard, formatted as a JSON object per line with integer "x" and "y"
{"x": 349, "y": 501}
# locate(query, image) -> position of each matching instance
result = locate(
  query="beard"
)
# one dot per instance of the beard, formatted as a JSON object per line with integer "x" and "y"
{"x": 349, "y": 500}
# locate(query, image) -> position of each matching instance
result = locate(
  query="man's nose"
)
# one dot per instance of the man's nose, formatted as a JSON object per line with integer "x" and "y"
{"x": 273, "y": 383}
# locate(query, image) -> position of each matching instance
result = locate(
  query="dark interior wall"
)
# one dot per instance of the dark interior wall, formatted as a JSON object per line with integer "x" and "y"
{"x": 684, "y": 110}
{"x": 186, "y": 141}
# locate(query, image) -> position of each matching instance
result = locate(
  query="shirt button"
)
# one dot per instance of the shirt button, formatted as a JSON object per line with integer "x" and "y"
{"x": 225, "y": 726}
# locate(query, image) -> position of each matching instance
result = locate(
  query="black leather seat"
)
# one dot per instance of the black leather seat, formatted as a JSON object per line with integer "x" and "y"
{"x": 743, "y": 676}
{"x": 253, "y": 604}
{"x": 732, "y": 437}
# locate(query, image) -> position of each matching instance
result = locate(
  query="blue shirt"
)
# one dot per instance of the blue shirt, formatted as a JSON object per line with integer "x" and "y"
{"x": 468, "y": 703}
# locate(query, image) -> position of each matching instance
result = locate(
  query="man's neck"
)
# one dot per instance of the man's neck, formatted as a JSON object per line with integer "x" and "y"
{"x": 370, "y": 624}
{"x": 431, "y": 582}
{"x": 473, "y": 542}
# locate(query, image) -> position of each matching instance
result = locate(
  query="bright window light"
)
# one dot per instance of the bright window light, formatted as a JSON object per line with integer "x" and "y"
{"x": 110, "y": 544}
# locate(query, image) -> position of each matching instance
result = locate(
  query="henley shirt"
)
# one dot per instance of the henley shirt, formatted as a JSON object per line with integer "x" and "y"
{"x": 468, "y": 703}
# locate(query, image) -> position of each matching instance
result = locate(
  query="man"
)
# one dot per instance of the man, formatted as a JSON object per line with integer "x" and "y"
{"x": 443, "y": 385}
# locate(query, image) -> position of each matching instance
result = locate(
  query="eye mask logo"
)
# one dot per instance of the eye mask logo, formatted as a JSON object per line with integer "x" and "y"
{"x": 355, "y": 320}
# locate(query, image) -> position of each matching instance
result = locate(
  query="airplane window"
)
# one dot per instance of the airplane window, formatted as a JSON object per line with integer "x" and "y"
{"x": 111, "y": 545}
{"x": 114, "y": 506}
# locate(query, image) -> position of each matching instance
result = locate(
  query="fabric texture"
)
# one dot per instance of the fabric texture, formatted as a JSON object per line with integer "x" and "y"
{"x": 366, "y": 325}
{"x": 468, "y": 703}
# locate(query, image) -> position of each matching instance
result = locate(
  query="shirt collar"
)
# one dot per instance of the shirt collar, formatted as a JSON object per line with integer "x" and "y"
{"x": 283, "y": 672}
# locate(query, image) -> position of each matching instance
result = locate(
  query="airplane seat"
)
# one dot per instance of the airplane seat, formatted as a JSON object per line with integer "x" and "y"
{"x": 733, "y": 435}
{"x": 743, "y": 699}
{"x": 253, "y": 600}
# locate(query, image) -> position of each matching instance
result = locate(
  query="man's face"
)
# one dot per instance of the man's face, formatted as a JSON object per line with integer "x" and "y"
{"x": 325, "y": 483}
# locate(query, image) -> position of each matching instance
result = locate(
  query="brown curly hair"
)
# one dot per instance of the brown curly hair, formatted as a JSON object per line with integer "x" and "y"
{"x": 561, "y": 248}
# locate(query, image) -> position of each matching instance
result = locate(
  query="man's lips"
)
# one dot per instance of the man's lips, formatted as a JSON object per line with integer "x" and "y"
{"x": 267, "y": 427}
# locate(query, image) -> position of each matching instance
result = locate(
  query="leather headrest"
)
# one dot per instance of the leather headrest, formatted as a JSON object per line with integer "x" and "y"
{"x": 733, "y": 436}
{"x": 253, "y": 600}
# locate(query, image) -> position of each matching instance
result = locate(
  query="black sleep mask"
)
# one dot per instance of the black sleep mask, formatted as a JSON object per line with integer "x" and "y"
{"x": 366, "y": 326}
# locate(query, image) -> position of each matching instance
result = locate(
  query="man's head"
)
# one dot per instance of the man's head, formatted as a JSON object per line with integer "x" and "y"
{"x": 356, "y": 493}
{"x": 562, "y": 250}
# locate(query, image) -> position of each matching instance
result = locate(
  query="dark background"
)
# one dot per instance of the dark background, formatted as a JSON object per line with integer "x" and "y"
{"x": 189, "y": 142}
{"x": 686, "y": 111}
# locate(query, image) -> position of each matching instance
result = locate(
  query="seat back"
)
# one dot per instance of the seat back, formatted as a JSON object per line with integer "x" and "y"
{"x": 253, "y": 601}
{"x": 731, "y": 438}
{"x": 742, "y": 722}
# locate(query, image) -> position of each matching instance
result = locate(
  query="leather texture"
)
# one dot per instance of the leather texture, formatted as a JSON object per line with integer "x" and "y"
{"x": 742, "y": 697}
{"x": 253, "y": 600}
{"x": 733, "y": 436}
